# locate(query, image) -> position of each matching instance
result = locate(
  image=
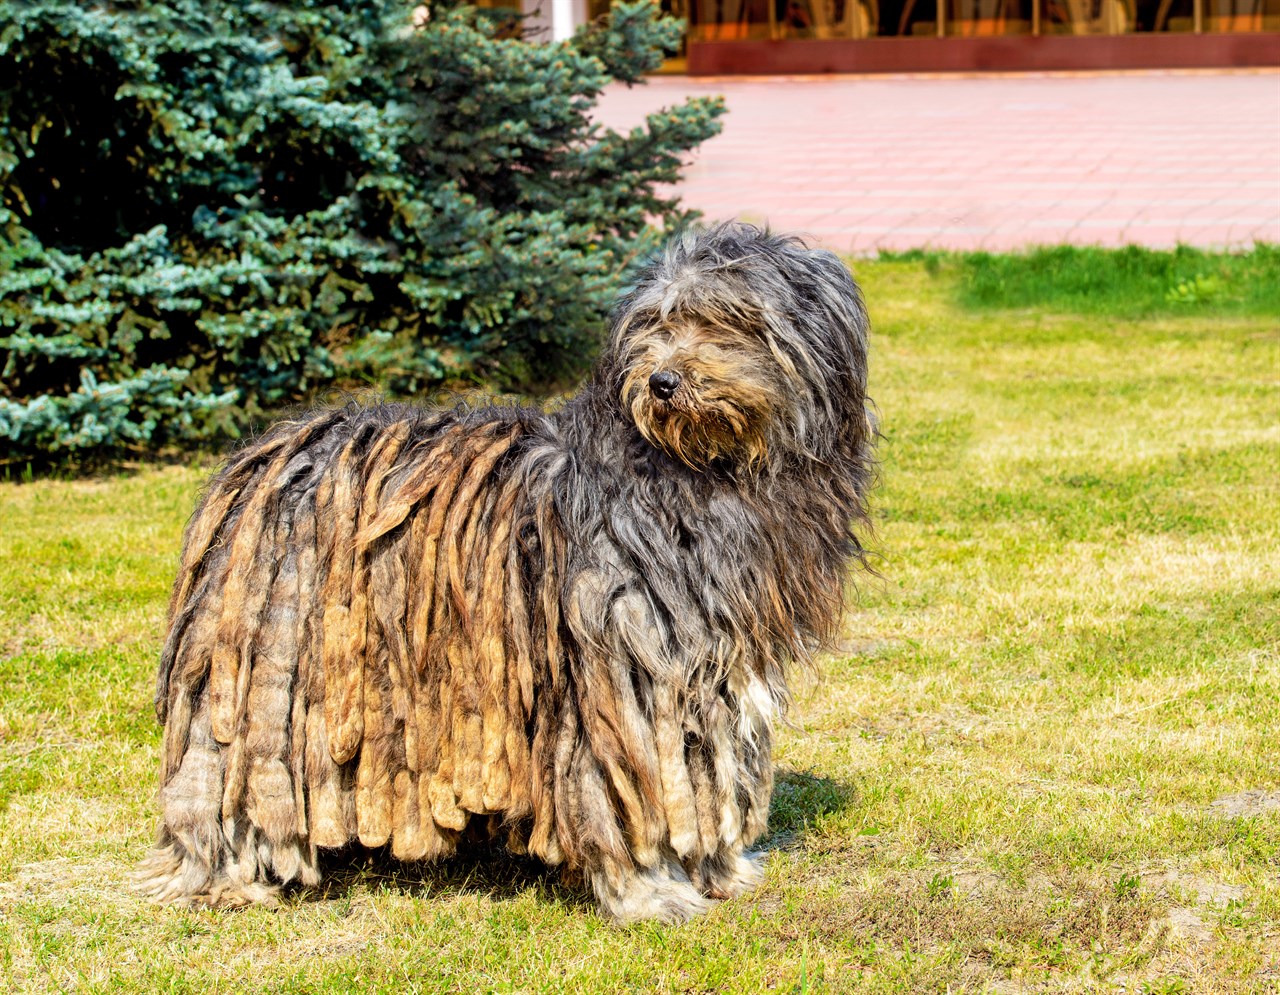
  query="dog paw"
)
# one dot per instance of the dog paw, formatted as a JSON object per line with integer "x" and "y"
{"x": 238, "y": 895}
{"x": 169, "y": 876}
{"x": 662, "y": 894}
{"x": 744, "y": 872}
{"x": 670, "y": 904}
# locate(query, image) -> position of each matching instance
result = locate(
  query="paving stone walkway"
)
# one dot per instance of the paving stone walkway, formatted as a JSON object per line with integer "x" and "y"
{"x": 993, "y": 162}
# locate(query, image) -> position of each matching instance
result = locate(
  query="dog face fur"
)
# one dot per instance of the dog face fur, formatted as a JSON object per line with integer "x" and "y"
{"x": 766, "y": 338}
{"x": 571, "y": 631}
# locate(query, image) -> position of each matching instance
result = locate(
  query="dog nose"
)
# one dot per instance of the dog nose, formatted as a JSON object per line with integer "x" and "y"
{"x": 664, "y": 384}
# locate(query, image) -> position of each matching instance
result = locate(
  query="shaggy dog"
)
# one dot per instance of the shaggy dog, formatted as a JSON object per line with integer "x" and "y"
{"x": 568, "y": 630}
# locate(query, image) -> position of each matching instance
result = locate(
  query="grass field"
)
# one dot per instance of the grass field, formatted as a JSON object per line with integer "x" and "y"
{"x": 1045, "y": 757}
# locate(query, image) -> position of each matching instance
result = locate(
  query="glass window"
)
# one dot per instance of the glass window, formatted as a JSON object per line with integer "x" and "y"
{"x": 977, "y": 18}
{"x": 1239, "y": 15}
{"x": 1086, "y": 17}
{"x": 826, "y": 18}
{"x": 907, "y": 18}
{"x": 728, "y": 20}
{"x": 1164, "y": 15}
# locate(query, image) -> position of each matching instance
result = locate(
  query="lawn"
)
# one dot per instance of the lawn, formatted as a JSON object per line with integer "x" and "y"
{"x": 1045, "y": 755}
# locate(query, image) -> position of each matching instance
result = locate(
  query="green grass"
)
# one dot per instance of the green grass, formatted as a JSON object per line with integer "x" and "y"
{"x": 1043, "y": 758}
{"x": 1131, "y": 282}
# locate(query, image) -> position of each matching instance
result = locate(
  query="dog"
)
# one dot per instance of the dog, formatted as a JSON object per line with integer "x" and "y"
{"x": 570, "y": 631}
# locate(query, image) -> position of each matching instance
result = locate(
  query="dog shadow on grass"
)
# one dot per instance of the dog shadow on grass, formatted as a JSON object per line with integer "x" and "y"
{"x": 485, "y": 869}
{"x": 800, "y": 799}
{"x": 488, "y": 869}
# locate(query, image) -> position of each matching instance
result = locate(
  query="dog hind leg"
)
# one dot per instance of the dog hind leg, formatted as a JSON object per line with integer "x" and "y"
{"x": 200, "y": 859}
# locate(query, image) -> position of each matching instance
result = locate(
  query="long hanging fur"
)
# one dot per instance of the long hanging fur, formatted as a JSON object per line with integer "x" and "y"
{"x": 389, "y": 622}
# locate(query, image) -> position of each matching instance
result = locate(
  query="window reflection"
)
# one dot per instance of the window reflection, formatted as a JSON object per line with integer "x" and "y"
{"x": 1086, "y": 17}
{"x": 909, "y": 18}
{"x": 977, "y": 18}
{"x": 827, "y": 18}
{"x": 1241, "y": 15}
{"x": 728, "y": 20}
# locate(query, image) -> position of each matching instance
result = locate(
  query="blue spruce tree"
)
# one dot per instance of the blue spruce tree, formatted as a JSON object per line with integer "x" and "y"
{"x": 210, "y": 209}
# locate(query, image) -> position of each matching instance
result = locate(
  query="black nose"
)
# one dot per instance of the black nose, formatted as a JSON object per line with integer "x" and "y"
{"x": 664, "y": 383}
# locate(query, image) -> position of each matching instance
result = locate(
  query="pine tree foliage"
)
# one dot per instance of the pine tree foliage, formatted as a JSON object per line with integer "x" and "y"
{"x": 210, "y": 209}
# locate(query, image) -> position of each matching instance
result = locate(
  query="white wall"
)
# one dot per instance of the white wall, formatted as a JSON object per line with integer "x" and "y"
{"x": 553, "y": 20}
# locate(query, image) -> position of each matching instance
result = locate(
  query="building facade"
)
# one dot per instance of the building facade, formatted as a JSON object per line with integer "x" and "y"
{"x": 812, "y": 36}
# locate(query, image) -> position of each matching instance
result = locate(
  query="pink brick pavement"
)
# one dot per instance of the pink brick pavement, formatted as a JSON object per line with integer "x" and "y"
{"x": 993, "y": 162}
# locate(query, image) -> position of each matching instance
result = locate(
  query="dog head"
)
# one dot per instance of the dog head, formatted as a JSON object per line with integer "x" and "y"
{"x": 735, "y": 346}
